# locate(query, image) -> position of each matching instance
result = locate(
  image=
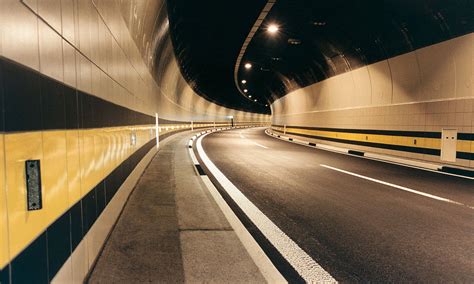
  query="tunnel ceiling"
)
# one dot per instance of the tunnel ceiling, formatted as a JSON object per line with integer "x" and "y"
{"x": 207, "y": 36}
{"x": 316, "y": 40}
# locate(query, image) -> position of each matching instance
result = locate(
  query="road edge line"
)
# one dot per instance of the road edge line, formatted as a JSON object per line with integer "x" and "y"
{"x": 304, "y": 265}
{"x": 261, "y": 260}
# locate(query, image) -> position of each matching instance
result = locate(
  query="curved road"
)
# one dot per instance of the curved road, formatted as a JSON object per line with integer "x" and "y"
{"x": 360, "y": 219}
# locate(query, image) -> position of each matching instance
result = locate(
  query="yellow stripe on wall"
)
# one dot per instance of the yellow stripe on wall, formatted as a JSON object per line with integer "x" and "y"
{"x": 4, "y": 258}
{"x": 73, "y": 162}
{"x": 421, "y": 142}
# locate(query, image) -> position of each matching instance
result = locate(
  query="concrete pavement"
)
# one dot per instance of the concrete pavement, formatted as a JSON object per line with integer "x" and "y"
{"x": 171, "y": 230}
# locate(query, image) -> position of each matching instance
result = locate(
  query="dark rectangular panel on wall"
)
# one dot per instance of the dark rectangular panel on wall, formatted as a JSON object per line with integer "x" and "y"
{"x": 466, "y": 136}
{"x": 5, "y": 275}
{"x": 80, "y": 108}
{"x": 87, "y": 103}
{"x": 107, "y": 113}
{"x": 132, "y": 116}
{"x": 76, "y": 224}
{"x": 89, "y": 210}
{"x": 100, "y": 193}
{"x": 31, "y": 265}
{"x": 112, "y": 183}
{"x": 2, "y": 121}
{"x": 59, "y": 244}
{"x": 71, "y": 108}
{"x": 32, "y": 101}
{"x": 103, "y": 113}
{"x": 52, "y": 105}
{"x": 22, "y": 98}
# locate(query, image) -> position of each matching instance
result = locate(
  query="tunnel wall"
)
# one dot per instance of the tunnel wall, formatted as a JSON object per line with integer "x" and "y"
{"x": 397, "y": 106}
{"x": 76, "y": 94}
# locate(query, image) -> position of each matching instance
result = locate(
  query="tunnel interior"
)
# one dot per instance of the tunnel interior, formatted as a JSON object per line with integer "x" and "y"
{"x": 169, "y": 140}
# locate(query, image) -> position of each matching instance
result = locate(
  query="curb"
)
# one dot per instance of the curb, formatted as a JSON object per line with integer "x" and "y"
{"x": 449, "y": 170}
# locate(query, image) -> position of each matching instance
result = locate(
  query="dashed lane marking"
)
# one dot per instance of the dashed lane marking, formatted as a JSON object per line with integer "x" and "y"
{"x": 260, "y": 145}
{"x": 398, "y": 186}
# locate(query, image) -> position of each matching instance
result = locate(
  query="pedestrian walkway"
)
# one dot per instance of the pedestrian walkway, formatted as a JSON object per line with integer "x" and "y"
{"x": 171, "y": 230}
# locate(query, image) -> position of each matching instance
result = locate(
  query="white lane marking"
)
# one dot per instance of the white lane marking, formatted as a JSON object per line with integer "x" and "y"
{"x": 306, "y": 267}
{"x": 269, "y": 271}
{"x": 397, "y": 186}
{"x": 260, "y": 145}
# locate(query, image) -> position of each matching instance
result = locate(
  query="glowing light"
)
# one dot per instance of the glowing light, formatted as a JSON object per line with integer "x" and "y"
{"x": 255, "y": 100}
{"x": 250, "y": 96}
{"x": 244, "y": 81}
{"x": 248, "y": 65}
{"x": 245, "y": 90}
{"x": 272, "y": 28}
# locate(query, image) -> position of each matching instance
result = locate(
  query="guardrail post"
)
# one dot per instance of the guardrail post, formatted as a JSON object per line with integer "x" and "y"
{"x": 157, "y": 131}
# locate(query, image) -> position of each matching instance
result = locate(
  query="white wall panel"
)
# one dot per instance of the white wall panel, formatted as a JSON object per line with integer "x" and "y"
{"x": 51, "y": 52}
{"x": 69, "y": 60}
{"x": 19, "y": 33}
{"x": 50, "y": 11}
{"x": 381, "y": 83}
{"x": 406, "y": 78}
{"x": 68, "y": 20}
{"x": 437, "y": 71}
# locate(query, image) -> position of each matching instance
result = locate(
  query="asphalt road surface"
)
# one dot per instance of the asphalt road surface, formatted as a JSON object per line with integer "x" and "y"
{"x": 360, "y": 219}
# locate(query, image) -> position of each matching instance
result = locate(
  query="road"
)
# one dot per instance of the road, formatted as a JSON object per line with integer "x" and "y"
{"x": 360, "y": 219}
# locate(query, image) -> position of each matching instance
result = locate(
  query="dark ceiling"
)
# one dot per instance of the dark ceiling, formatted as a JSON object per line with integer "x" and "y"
{"x": 207, "y": 36}
{"x": 316, "y": 40}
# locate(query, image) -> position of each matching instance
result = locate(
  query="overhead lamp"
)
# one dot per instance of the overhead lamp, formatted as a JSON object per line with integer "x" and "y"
{"x": 272, "y": 28}
{"x": 255, "y": 100}
{"x": 266, "y": 105}
{"x": 250, "y": 96}
{"x": 245, "y": 90}
{"x": 244, "y": 81}
{"x": 294, "y": 41}
{"x": 248, "y": 65}
{"x": 319, "y": 23}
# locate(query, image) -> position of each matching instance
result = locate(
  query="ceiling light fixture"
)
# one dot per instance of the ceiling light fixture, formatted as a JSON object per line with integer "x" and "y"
{"x": 244, "y": 81}
{"x": 255, "y": 100}
{"x": 245, "y": 90}
{"x": 248, "y": 65}
{"x": 272, "y": 28}
{"x": 294, "y": 41}
{"x": 250, "y": 96}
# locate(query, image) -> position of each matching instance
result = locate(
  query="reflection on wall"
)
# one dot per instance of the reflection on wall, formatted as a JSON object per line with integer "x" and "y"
{"x": 149, "y": 25}
{"x": 426, "y": 90}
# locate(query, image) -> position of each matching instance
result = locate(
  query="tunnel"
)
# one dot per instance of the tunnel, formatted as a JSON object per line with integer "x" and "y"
{"x": 250, "y": 141}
